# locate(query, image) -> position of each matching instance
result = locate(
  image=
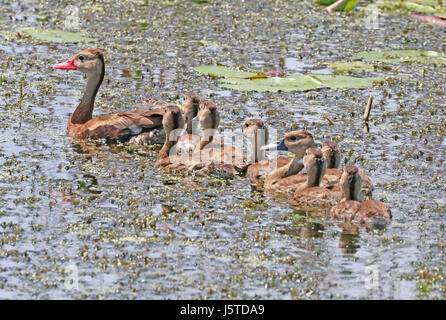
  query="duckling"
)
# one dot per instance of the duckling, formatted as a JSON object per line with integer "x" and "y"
{"x": 215, "y": 156}
{"x": 257, "y": 133}
{"x": 209, "y": 119}
{"x": 333, "y": 175}
{"x": 202, "y": 161}
{"x": 285, "y": 179}
{"x": 189, "y": 108}
{"x": 173, "y": 124}
{"x": 190, "y": 105}
{"x": 352, "y": 208}
{"x": 309, "y": 195}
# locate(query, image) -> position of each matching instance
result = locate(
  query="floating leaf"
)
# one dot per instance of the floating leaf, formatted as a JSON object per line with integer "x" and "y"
{"x": 350, "y": 66}
{"x": 249, "y": 81}
{"x": 293, "y": 83}
{"x": 346, "y": 6}
{"x": 402, "y": 56}
{"x": 54, "y": 35}
{"x": 221, "y": 71}
{"x": 298, "y": 83}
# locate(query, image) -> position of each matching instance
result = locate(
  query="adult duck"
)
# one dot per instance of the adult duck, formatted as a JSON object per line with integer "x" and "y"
{"x": 285, "y": 179}
{"x": 117, "y": 126}
{"x": 353, "y": 208}
{"x": 256, "y": 133}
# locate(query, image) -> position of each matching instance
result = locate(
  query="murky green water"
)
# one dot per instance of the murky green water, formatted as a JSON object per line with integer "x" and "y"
{"x": 130, "y": 231}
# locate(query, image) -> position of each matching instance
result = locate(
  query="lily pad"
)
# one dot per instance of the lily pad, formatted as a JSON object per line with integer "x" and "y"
{"x": 417, "y": 6}
{"x": 55, "y": 35}
{"x": 298, "y": 83}
{"x": 399, "y": 56}
{"x": 292, "y": 83}
{"x": 346, "y": 6}
{"x": 250, "y": 81}
{"x": 350, "y": 66}
{"x": 221, "y": 71}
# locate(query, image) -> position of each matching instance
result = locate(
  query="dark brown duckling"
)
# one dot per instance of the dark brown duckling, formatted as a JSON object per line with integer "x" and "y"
{"x": 257, "y": 134}
{"x": 352, "y": 208}
{"x": 309, "y": 195}
{"x": 333, "y": 175}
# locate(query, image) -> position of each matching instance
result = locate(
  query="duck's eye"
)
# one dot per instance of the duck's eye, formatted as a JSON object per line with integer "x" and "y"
{"x": 81, "y": 58}
{"x": 293, "y": 138}
{"x": 246, "y": 125}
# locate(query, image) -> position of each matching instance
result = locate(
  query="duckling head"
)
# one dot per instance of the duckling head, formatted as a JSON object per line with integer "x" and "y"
{"x": 255, "y": 128}
{"x": 190, "y": 106}
{"x": 173, "y": 122}
{"x": 208, "y": 115}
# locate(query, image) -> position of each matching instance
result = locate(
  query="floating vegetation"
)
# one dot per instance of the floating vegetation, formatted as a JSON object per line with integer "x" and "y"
{"x": 344, "y": 5}
{"x": 250, "y": 81}
{"x": 403, "y": 56}
{"x": 54, "y": 35}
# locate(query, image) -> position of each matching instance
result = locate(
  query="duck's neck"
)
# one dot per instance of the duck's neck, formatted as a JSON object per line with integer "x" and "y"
{"x": 257, "y": 142}
{"x": 315, "y": 174}
{"x": 84, "y": 111}
{"x": 164, "y": 152}
{"x": 189, "y": 126}
{"x": 292, "y": 168}
{"x": 352, "y": 191}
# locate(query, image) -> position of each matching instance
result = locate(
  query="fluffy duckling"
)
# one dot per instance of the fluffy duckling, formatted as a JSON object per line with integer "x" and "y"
{"x": 202, "y": 161}
{"x": 352, "y": 208}
{"x": 215, "y": 156}
{"x": 333, "y": 175}
{"x": 285, "y": 179}
{"x": 173, "y": 124}
{"x": 257, "y": 134}
{"x": 190, "y": 105}
{"x": 309, "y": 195}
{"x": 209, "y": 119}
{"x": 189, "y": 108}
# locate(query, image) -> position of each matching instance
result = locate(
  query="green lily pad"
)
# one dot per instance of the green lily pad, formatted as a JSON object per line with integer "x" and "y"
{"x": 292, "y": 83}
{"x": 418, "y": 6}
{"x": 346, "y": 6}
{"x": 399, "y": 56}
{"x": 350, "y": 66}
{"x": 221, "y": 71}
{"x": 55, "y": 35}
{"x": 247, "y": 81}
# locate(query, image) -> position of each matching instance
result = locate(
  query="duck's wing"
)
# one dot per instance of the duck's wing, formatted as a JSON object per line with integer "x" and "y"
{"x": 123, "y": 124}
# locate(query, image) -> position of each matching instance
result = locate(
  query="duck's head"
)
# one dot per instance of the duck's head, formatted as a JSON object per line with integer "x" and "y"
{"x": 255, "y": 128}
{"x": 190, "y": 106}
{"x": 331, "y": 153}
{"x": 351, "y": 182}
{"x": 315, "y": 164}
{"x": 296, "y": 142}
{"x": 208, "y": 115}
{"x": 89, "y": 61}
{"x": 173, "y": 122}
